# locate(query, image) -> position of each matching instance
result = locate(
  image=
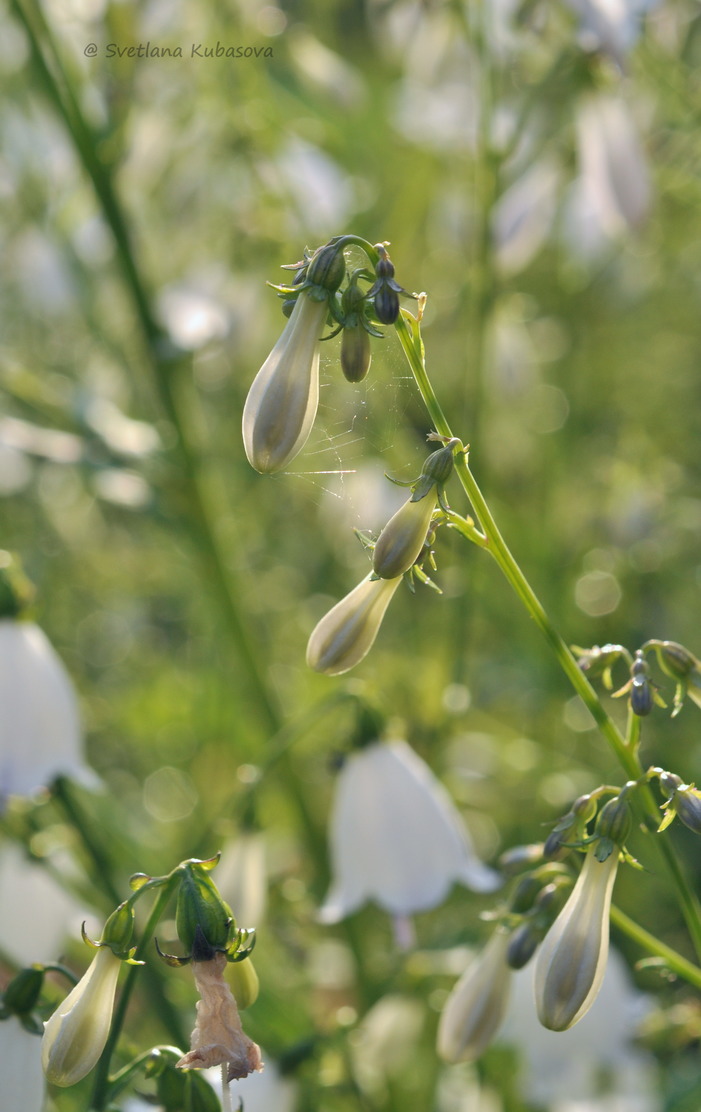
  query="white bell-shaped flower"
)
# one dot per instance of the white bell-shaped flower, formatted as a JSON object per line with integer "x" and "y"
{"x": 347, "y": 633}
{"x": 475, "y": 1009}
{"x": 614, "y": 171}
{"x": 75, "y": 1036}
{"x": 40, "y": 734}
{"x": 396, "y": 836}
{"x": 283, "y": 399}
{"x": 571, "y": 961}
{"x": 23, "y": 1082}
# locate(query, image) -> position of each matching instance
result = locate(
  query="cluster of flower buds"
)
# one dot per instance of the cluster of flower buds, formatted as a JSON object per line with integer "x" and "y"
{"x": 282, "y": 402}
{"x": 567, "y": 926}
{"x": 683, "y": 800}
{"x": 345, "y": 635}
{"x": 76, "y": 1034}
{"x": 674, "y": 660}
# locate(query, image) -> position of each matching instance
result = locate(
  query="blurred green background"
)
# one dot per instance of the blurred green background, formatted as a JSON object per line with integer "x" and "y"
{"x": 560, "y": 247}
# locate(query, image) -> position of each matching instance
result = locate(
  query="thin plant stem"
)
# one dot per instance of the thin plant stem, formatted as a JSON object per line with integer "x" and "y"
{"x": 672, "y": 960}
{"x": 408, "y": 331}
{"x": 101, "y": 1089}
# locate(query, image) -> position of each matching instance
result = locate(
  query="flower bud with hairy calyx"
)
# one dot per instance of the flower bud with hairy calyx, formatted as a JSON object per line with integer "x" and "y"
{"x": 346, "y": 634}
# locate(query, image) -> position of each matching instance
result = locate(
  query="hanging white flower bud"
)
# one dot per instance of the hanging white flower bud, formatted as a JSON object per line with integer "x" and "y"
{"x": 40, "y": 735}
{"x": 396, "y": 836}
{"x": 474, "y": 1011}
{"x": 347, "y": 633}
{"x": 572, "y": 959}
{"x": 400, "y": 542}
{"x": 282, "y": 402}
{"x": 75, "y": 1036}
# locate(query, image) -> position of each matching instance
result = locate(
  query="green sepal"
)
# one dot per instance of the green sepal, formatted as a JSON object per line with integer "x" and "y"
{"x": 202, "y": 917}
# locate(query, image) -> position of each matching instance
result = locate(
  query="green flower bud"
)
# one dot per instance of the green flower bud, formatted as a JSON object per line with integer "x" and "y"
{"x": 355, "y": 353}
{"x": 346, "y": 634}
{"x": 523, "y": 943}
{"x": 641, "y": 693}
{"x": 687, "y": 804}
{"x": 327, "y": 268}
{"x": 614, "y": 822}
{"x": 118, "y": 930}
{"x": 520, "y": 857}
{"x": 572, "y": 959}
{"x": 525, "y": 894}
{"x": 244, "y": 983}
{"x": 23, "y": 991}
{"x": 204, "y": 921}
{"x": 474, "y": 1011}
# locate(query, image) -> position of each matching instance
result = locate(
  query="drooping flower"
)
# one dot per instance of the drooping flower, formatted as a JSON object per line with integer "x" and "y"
{"x": 75, "y": 1036}
{"x": 475, "y": 1009}
{"x": 614, "y": 173}
{"x": 40, "y": 734}
{"x": 396, "y": 837}
{"x": 572, "y": 959}
{"x": 218, "y": 1038}
{"x": 347, "y": 633}
{"x": 283, "y": 399}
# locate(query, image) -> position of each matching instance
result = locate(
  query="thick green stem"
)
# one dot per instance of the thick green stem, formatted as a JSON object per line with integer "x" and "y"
{"x": 409, "y": 334}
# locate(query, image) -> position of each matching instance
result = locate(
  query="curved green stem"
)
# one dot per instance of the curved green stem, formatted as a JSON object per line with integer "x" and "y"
{"x": 409, "y": 333}
{"x": 101, "y": 1090}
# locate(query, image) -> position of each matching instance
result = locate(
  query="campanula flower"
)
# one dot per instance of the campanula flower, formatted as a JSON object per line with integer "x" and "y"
{"x": 346, "y": 634}
{"x": 400, "y": 543}
{"x": 475, "y": 1009}
{"x": 282, "y": 402}
{"x": 40, "y": 733}
{"x": 75, "y": 1036}
{"x": 396, "y": 836}
{"x": 572, "y": 959}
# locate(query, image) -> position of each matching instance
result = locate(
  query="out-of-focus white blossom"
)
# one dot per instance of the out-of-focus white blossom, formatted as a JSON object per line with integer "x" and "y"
{"x": 396, "y": 837}
{"x": 346, "y": 634}
{"x": 614, "y": 179}
{"x": 563, "y": 1070}
{"x": 610, "y": 25}
{"x": 23, "y": 1085}
{"x": 75, "y": 1036}
{"x": 40, "y": 734}
{"x": 282, "y": 402}
{"x": 474, "y": 1011}
{"x": 241, "y": 877}
{"x": 524, "y": 216}
{"x": 37, "y": 912}
{"x": 571, "y": 961}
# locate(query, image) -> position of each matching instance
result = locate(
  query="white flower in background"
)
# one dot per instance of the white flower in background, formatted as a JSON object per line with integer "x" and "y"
{"x": 346, "y": 634}
{"x": 563, "y": 1070}
{"x": 396, "y": 837}
{"x": 242, "y": 879}
{"x": 475, "y": 1009}
{"x": 614, "y": 178}
{"x": 571, "y": 960}
{"x": 23, "y": 1085}
{"x": 283, "y": 399}
{"x": 40, "y": 734}
{"x": 37, "y": 911}
{"x": 610, "y": 25}
{"x": 524, "y": 216}
{"x": 75, "y": 1036}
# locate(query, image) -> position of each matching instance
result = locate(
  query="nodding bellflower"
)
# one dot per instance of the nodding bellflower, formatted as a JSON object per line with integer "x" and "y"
{"x": 475, "y": 1009}
{"x": 346, "y": 634}
{"x": 571, "y": 961}
{"x": 283, "y": 399}
{"x": 396, "y": 836}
